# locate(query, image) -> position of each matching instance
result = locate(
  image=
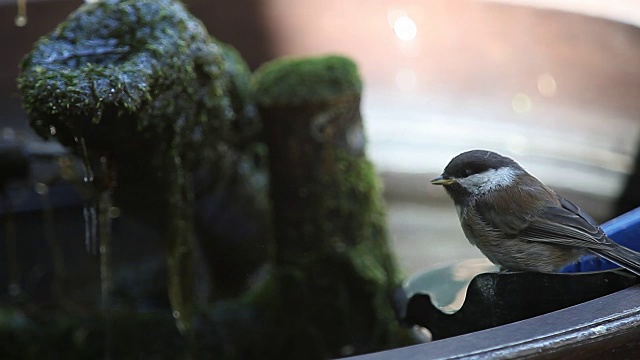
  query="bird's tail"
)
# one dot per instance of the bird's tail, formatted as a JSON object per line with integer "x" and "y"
{"x": 622, "y": 256}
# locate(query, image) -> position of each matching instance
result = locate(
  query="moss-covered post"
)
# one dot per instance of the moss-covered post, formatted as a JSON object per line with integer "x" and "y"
{"x": 333, "y": 271}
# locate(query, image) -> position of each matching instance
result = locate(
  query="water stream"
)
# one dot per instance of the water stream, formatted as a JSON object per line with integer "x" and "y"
{"x": 89, "y": 211}
{"x": 97, "y": 226}
{"x": 21, "y": 18}
{"x": 104, "y": 220}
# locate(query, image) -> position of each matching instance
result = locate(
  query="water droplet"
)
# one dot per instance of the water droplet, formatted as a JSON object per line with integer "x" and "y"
{"x": 52, "y": 130}
{"x": 97, "y": 116}
{"x": 114, "y": 212}
{"x": 84, "y": 155}
{"x": 41, "y": 188}
{"x": 176, "y": 314}
{"x": 20, "y": 20}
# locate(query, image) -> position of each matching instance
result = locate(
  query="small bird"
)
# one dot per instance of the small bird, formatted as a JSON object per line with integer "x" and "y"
{"x": 519, "y": 223}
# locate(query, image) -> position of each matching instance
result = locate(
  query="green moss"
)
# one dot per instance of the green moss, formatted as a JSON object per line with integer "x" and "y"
{"x": 292, "y": 82}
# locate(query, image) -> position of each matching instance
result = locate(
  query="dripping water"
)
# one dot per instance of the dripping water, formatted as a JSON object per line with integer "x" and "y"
{"x": 104, "y": 221}
{"x": 97, "y": 226}
{"x": 21, "y": 17}
{"x": 90, "y": 208}
{"x": 91, "y": 227}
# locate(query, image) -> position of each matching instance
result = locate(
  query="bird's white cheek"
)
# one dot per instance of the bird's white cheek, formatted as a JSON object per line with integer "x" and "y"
{"x": 486, "y": 181}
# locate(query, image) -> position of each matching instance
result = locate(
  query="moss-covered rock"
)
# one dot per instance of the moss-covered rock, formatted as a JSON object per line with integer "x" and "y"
{"x": 333, "y": 273}
{"x": 141, "y": 83}
{"x": 116, "y": 66}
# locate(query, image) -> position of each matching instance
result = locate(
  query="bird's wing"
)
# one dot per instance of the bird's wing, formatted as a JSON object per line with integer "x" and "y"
{"x": 566, "y": 225}
{"x": 558, "y": 222}
{"x": 584, "y": 227}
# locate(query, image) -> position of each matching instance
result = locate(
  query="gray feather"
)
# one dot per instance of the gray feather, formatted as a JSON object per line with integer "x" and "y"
{"x": 567, "y": 225}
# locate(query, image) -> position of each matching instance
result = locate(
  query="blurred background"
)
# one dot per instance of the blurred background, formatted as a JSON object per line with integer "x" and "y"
{"x": 555, "y": 86}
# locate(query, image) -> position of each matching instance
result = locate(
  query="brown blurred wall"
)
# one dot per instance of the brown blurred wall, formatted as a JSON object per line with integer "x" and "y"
{"x": 464, "y": 46}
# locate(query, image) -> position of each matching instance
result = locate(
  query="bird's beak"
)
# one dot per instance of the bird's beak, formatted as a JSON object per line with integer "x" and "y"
{"x": 442, "y": 180}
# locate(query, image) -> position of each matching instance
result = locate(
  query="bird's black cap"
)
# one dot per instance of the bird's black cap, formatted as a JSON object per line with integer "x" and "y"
{"x": 475, "y": 162}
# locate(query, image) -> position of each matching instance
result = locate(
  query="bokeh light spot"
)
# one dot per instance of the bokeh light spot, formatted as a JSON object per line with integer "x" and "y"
{"x": 403, "y": 26}
{"x": 521, "y": 103}
{"x": 547, "y": 85}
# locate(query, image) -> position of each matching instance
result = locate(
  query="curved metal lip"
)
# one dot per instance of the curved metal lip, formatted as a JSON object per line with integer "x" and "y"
{"x": 562, "y": 330}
